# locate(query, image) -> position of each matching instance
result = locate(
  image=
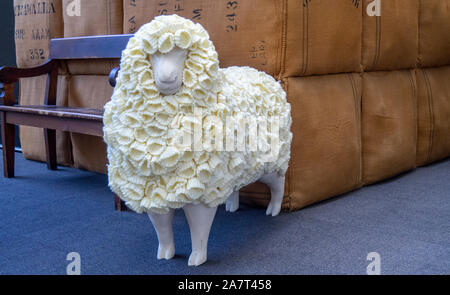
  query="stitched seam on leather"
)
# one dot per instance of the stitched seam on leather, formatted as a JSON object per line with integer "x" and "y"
{"x": 419, "y": 59}
{"x": 378, "y": 41}
{"x": 361, "y": 62}
{"x": 362, "y": 126}
{"x": 303, "y": 39}
{"x": 289, "y": 174}
{"x": 413, "y": 90}
{"x": 430, "y": 109}
{"x": 411, "y": 81}
{"x": 376, "y": 44}
{"x": 276, "y": 67}
{"x": 282, "y": 50}
{"x": 413, "y": 86}
{"x": 305, "y": 44}
{"x": 307, "y": 40}
{"x": 358, "y": 132}
{"x": 108, "y": 16}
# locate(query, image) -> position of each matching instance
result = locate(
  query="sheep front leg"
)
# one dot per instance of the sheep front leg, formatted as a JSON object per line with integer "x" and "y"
{"x": 200, "y": 218}
{"x": 164, "y": 231}
{"x": 232, "y": 203}
{"x": 276, "y": 185}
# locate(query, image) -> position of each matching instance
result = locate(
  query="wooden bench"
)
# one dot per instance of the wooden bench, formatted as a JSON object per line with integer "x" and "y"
{"x": 49, "y": 116}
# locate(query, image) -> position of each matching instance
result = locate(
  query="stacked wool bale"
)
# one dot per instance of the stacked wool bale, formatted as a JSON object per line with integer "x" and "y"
{"x": 89, "y": 87}
{"x": 405, "y": 111}
{"x": 390, "y": 89}
{"x": 244, "y": 34}
{"x": 323, "y": 39}
{"x": 433, "y": 82}
{"x": 369, "y": 94}
{"x": 395, "y": 125}
{"x": 36, "y": 22}
{"x": 389, "y": 101}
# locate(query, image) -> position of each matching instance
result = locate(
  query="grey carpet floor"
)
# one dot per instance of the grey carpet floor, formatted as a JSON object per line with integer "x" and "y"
{"x": 44, "y": 215}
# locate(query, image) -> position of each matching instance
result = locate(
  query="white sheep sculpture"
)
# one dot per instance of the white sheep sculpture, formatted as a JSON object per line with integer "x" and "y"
{"x": 169, "y": 83}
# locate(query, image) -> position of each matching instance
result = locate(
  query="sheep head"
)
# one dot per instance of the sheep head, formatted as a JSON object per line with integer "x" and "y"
{"x": 169, "y": 56}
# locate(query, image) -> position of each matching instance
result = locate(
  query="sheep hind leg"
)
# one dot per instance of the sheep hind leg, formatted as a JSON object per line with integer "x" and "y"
{"x": 232, "y": 203}
{"x": 200, "y": 218}
{"x": 163, "y": 227}
{"x": 276, "y": 185}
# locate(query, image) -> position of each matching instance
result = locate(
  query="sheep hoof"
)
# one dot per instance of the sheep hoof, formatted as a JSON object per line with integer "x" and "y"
{"x": 197, "y": 258}
{"x": 230, "y": 206}
{"x": 232, "y": 203}
{"x": 166, "y": 252}
{"x": 273, "y": 209}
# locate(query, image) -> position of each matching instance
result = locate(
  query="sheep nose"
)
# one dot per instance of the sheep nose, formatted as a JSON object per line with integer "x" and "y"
{"x": 168, "y": 77}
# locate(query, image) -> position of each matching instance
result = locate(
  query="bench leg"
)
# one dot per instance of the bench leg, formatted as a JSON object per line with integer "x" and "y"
{"x": 50, "y": 148}
{"x": 119, "y": 205}
{"x": 8, "y": 140}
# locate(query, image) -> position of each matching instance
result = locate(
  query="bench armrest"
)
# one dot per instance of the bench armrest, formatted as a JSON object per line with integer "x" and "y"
{"x": 12, "y": 75}
{"x": 113, "y": 76}
{"x": 7, "y": 94}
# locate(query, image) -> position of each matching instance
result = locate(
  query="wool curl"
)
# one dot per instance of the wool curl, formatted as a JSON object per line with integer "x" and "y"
{"x": 147, "y": 167}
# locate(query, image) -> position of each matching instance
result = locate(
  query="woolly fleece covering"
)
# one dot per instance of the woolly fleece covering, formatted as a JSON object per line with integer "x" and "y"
{"x": 148, "y": 168}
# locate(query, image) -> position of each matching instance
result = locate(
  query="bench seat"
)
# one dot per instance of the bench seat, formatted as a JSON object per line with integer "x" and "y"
{"x": 70, "y": 119}
{"x": 56, "y": 111}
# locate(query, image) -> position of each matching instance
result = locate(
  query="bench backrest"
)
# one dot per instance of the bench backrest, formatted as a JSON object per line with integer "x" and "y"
{"x": 90, "y": 47}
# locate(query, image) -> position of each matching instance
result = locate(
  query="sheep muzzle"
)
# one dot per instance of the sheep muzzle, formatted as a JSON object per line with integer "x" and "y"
{"x": 168, "y": 70}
